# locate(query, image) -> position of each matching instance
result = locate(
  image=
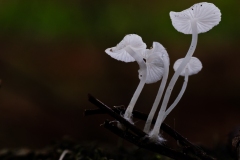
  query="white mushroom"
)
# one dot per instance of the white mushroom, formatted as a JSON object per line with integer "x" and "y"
{"x": 193, "y": 67}
{"x": 129, "y": 50}
{"x": 205, "y": 15}
{"x": 154, "y": 72}
{"x": 159, "y": 50}
{"x": 132, "y": 48}
{"x": 155, "y": 62}
{"x": 119, "y": 52}
{"x": 199, "y": 18}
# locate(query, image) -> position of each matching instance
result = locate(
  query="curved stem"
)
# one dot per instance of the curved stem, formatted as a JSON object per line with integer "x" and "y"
{"x": 143, "y": 75}
{"x": 169, "y": 89}
{"x": 63, "y": 154}
{"x": 159, "y": 94}
{"x": 179, "y": 95}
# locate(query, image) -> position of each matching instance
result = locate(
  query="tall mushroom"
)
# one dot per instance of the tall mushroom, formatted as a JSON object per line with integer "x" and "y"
{"x": 199, "y": 18}
{"x": 132, "y": 48}
{"x": 129, "y": 50}
{"x": 164, "y": 60}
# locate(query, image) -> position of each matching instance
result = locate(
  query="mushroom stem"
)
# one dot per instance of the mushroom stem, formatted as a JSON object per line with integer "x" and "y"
{"x": 143, "y": 75}
{"x": 159, "y": 94}
{"x": 179, "y": 95}
{"x": 169, "y": 89}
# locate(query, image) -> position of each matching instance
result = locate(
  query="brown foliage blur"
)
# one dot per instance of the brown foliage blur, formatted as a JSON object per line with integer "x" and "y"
{"x": 52, "y": 55}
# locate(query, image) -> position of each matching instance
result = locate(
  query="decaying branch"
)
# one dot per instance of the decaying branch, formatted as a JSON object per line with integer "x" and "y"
{"x": 115, "y": 115}
{"x": 140, "y": 138}
{"x": 145, "y": 143}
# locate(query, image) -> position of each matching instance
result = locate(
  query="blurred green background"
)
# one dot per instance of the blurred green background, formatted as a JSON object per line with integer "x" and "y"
{"x": 52, "y": 55}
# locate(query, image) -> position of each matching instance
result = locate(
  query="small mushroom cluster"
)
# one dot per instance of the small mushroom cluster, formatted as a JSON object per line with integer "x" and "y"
{"x": 154, "y": 63}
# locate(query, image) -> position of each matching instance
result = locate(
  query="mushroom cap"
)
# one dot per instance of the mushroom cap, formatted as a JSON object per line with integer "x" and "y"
{"x": 207, "y": 15}
{"x": 154, "y": 62}
{"x": 194, "y": 66}
{"x": 131, "y": 40}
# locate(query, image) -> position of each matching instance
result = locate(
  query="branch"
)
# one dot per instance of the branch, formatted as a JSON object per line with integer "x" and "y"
{"x": 108, "y": 110}
{"x": 188, "y": 146}
{"x": 158, "y": 148}
{"x": 116, "y": 113}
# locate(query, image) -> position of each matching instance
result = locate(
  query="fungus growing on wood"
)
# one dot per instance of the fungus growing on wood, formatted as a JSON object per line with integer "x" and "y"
{"x": 128, "y": 50}
{"x": 199, "y": 18}
{"x": 132, "y": 48}
{"x": 163, "y": 59}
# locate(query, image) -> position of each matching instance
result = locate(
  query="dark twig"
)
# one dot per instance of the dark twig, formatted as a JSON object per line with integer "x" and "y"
{"x": 116, "y": 116}
{"x": 115, "y": 112}
{"x": 188, "y": 146}
{"x": 158, "y": 148}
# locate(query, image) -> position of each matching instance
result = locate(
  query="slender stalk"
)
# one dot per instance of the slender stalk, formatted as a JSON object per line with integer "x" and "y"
{"x": 159, "y": 95}
{"x": 63, "y": 154}
{"x": 179, "y": 95}
{"x": 169, "y": 89}
{"x": 143, "y": 75}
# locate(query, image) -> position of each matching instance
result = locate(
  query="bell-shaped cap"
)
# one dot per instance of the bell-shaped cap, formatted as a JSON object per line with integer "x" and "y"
{"x": 154, "y": 61}
{"x": 206, "y": 15}
{"x": 194, "y": 66}
{"x": 119, "y": 52}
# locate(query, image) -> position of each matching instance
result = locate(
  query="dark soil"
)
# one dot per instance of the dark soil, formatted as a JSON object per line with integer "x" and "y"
{"x": 75, "y": 151}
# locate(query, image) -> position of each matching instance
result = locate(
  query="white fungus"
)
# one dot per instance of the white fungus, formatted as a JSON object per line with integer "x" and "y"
{"x": 155, "y": 63}
{"x": 128, "y": 50}
{"x": 206, "y": 15}
{"x": 119, "y": 52}
{"x": 199, "y": 18}
{"x": 193, "y": 67}
{"x": 159, "y": 50}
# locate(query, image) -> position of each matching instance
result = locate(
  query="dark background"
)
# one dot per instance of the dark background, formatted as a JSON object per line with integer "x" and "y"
{"x": 52, "y": 55}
